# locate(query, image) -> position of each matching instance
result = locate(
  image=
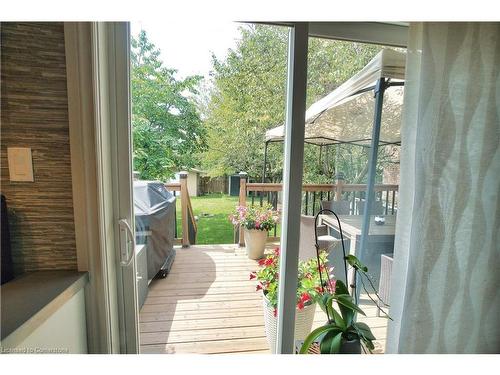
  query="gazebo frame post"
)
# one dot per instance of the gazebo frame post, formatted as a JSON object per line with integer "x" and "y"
{"x": 265, "y": 162}
{"x": 372, "y": 169}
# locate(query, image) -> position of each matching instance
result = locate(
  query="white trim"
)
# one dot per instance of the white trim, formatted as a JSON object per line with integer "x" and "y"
{"x": 100, "y": 63}
{"x": 292, "y": 186}
{"x": 91, "y": 250}
{"x": 393, "y": 34}
{"x": 80, "y": 106}
{"x": 389, "y": 34}
{"x": 112, "y": 48}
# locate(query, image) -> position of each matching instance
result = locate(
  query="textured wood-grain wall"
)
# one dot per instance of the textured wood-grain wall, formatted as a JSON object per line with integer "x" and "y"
{"x": 34, "y": 114}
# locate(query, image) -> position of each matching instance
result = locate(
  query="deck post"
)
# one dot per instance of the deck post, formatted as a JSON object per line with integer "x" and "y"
{"x": 184, "y": 208}
{"x": 339, "y": 181}
{"x": 242, "y": 202}
{"x": 292, "y": 186}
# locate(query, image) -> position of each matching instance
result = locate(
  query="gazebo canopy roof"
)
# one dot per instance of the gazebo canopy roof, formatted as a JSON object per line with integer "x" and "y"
{"x": 346, "y": 114}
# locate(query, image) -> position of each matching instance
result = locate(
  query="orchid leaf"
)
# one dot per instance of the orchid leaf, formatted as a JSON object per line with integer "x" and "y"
{"x": 341, "y": 288}
{"x": 364, "y": 330}
{"x": 315, "y": 334}
{"x": 325, "y": 302}
{"x": 346, "y": 300}
{"x": 338, "y": 319}
{"x": 331, "y": 343}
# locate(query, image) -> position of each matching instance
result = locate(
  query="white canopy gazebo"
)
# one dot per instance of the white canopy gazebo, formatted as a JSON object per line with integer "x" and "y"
{"x": 346, "y": 114}
{"x": 352, "y": 114}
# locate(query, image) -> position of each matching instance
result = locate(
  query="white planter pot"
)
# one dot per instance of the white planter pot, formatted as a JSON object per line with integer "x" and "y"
{"x": 303, "y": 323}
{"x": 255, "y": 243}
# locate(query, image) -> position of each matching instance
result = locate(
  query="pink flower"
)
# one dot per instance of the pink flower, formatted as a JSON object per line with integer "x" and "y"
{"x": 262, "y": 262}
{"x": 252, "y": 275}
{"x": 258, "y": 287}
{"x": 300, "y": 305}
{"x": 305, "y": 297}
{"x": 275, "y": 312}
{"x": 332, "y": 285}
{"x": 269, "y": 261}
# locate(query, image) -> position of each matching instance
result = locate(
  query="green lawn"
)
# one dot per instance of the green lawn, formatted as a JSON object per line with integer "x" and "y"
{"x": 212, "y": 210}
{"x": 214, "y": 226}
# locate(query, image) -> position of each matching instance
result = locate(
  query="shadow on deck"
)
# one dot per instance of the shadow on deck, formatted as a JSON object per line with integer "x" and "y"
{"x": 208, "y": 305}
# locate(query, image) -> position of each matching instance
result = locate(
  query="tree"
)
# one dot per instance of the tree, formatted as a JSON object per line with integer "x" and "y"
{"x": 167, "y": 129}
{"x": 248, "y": 98}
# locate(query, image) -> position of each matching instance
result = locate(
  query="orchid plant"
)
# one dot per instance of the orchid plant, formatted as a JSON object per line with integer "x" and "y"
{"x": 309, "y": 287}
{"x": 255, "y": 217}
{"x": 341, "y": 325}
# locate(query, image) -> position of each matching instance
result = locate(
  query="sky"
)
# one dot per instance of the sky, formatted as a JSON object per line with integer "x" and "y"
{"x": 188, "y": 47}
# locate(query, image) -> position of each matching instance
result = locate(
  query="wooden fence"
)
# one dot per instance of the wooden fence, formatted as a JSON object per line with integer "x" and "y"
{"x": 209, "y": 185}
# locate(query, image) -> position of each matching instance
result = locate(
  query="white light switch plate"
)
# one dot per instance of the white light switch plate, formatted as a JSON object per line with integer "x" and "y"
{"x": 20, "y": 164}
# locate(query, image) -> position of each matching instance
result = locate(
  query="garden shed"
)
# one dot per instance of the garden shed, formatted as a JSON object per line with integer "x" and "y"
{"x": 193, "y": 181}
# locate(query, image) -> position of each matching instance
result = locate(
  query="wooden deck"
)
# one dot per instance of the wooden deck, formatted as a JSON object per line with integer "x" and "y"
{"x": 208, "y": 305}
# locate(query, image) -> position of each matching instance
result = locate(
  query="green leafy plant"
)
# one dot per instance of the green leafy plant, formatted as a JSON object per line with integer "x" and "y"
{"x": 248, "y": 96}
{"x": 255, "y": 217}
{"x": 168, "y": 131}
{"x": 341, "y": 325}
{"x": 309, "y": 286}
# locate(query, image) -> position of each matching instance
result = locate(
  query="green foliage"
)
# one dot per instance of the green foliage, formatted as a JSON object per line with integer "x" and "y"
{"x": 342, "y": 326}
{"x": 167, "y": 128}
{"x": 248, "y": 98}
{"x": 308, "y": 280}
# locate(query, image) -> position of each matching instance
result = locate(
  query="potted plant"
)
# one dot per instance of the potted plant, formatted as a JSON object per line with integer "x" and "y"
{"x": 309, "y": 289}
{"x": 256, "y": 221}
{"x": 342, "y": 334}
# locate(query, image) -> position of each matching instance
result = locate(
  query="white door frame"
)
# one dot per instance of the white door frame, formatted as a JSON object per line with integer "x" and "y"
{"x": 97, "y": 64}
{"x": 91, "y": 170}
{"x": 371, "y": 32}
{"x": 292, "y": 185}
{"x": 88, "y": 190}
{"x": 112, "y": 77}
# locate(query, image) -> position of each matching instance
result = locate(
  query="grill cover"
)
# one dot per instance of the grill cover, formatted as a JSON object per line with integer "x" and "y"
{"x": 155, "y": 224}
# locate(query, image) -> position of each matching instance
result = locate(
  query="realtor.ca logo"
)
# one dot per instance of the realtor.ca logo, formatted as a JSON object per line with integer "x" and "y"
{"x": 35, "y": 350}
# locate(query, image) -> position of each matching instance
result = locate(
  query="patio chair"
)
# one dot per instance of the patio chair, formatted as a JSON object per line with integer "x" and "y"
{"x": 307, "y": 249}
{"x": 384, "y": 287}
{"x": 376, "y": 209}
{"x": 339, "y": 207}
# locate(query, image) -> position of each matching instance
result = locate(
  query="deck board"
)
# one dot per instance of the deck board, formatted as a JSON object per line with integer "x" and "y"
{"x": 208, "y": 305}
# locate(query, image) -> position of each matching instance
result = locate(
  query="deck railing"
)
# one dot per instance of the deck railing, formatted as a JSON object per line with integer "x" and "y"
{"x": 312, "y": 195}
{"x": 189, "y": 226}
{"x": 252, "y": 193}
